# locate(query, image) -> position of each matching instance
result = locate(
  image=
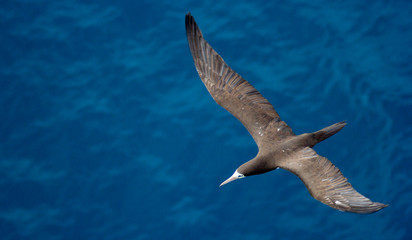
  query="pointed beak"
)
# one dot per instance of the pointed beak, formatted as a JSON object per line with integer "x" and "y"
{"x": 236, "y": 175}
{"x": 232, "y": 178}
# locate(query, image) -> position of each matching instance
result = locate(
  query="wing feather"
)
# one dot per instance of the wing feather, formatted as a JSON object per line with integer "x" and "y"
{"x": 230, "y": 90}
{"x": 327, "y": 184}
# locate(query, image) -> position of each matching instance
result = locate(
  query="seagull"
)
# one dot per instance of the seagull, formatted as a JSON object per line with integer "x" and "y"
{"x": 278, "y": 146}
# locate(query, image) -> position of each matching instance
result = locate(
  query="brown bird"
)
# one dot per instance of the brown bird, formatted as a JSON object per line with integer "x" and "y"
{"x": 278, "y": 146}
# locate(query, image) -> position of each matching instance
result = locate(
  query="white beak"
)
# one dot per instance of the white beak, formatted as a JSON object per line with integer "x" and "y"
{"x": 235, "y": 176}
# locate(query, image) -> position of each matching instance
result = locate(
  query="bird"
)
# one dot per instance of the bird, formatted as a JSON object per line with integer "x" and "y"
{"x": 279, "y": 146}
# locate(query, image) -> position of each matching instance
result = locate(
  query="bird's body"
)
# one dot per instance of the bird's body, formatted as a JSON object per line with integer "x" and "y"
{"x": 279, "y": 147}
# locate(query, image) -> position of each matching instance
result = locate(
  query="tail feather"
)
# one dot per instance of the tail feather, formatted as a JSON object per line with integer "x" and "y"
{"x": 328, "y": 131}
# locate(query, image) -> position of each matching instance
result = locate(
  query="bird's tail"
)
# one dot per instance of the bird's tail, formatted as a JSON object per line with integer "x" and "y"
{"x": 322, "y": 134}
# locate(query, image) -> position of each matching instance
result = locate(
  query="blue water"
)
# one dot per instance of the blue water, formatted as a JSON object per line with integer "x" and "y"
{"x": 107, "y": 132}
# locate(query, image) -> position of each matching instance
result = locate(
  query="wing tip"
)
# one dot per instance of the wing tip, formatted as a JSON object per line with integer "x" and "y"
{"x": 190, "y": 23}
{"x": 188, "y": 18}
{"x": 193, "y": 32}
{"x": 372, "y": 208}
{"x": 187, "y": 21}
{"x": 380, "y": 206}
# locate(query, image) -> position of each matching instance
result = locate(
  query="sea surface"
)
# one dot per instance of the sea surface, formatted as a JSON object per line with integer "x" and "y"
{"x": 107, "y": 132}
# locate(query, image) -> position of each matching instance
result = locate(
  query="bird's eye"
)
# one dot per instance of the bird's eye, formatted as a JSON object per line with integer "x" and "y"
{"x": 241, "y": 176}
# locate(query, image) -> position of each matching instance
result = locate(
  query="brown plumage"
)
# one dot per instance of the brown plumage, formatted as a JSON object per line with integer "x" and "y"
{"x": 278, "y": 146}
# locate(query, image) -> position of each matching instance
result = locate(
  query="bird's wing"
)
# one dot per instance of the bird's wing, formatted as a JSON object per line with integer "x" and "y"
{"x": 327, "y": 184}
{"x": 230, "y": 90}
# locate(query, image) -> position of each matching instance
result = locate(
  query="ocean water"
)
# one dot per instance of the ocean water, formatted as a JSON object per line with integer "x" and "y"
{"x": 107, "y": 132}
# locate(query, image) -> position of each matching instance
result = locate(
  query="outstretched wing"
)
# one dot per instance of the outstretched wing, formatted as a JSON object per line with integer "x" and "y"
{"x": 327, "y": 184}
{"x": 230, "y": 90}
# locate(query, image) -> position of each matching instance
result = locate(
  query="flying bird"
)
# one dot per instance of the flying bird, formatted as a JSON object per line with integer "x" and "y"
{"x": 278, "y": 146}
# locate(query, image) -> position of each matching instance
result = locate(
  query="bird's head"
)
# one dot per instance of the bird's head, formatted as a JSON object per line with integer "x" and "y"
{"x": 253, "y": 167}
{"x": 236, "y": 175}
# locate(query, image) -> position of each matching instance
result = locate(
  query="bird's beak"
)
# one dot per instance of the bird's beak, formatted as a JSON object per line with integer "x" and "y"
{"x": 236, "y": 175}
{"x": 232, "y": 178}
